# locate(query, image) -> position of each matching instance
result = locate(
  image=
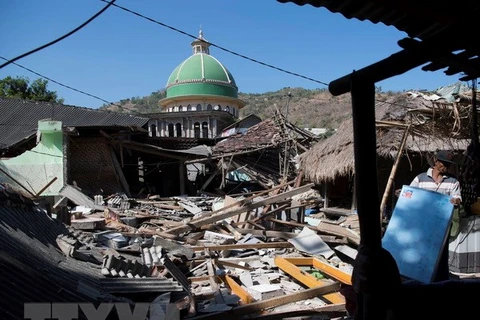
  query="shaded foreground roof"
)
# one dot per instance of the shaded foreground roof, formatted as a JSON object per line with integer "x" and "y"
{"x": 19, "y": 118}
{"x": 433, "y": 126}
{"x": 445, "y": 29}
{"x": 32, "y": 267}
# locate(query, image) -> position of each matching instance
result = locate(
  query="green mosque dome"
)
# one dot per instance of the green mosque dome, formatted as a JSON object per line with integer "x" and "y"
{"x": 201, "y": 75}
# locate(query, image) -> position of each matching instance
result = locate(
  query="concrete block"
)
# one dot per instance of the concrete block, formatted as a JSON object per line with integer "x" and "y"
{"x": 265, "y": 291}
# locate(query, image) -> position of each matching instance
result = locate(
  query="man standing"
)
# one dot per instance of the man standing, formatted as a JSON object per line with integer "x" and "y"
{"x": 439, "y": 180}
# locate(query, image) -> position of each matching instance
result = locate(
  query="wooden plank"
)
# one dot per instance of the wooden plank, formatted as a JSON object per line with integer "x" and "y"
{"x": 268, "y": 233}
{"x": 119, "y": 172}
{"x": 290, "y": 268}
{"x": 330, "y": 311}
{"x": 332, "y": 271}
{"x": 287, "y": 235}
{"x": 79, "y": 198}
{"x": 229, "y": 204}
{"x": 307, "y": 279}
{"x": 211, "y": 272}
{"x": 231, "y": 265}
{"x": 329, "y": 270}
{"x": 199, "y": 279}
{"x": 337, "y": 211}
{"x": 269, "y": 213}
{"x": 244, "y": 296}
{"x": 282, "y": 300}
{"x": 161, "y": 205}
{"x": 240, "y": 246}
{"x": 324, "y": 228}
{"x": 236, "y": 234}
{"x": 197, "y": 223}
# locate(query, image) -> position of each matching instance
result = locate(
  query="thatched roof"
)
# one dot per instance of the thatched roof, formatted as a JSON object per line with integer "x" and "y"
{"x": 433, "y": 125}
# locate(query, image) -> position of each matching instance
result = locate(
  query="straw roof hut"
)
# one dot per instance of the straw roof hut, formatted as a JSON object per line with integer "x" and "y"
{"x": 427, "y": 122}
{"x": 434, "y": 125}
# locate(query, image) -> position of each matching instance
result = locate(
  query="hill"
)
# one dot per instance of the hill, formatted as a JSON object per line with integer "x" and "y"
{"x": 306, "y": 108}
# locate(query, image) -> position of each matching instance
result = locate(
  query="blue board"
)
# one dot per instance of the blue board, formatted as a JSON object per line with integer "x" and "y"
{"x": 417, "y": 231}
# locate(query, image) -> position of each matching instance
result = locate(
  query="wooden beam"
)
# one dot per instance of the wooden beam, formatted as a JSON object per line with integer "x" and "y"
{"x": 240, "y": 246}
{"x": 329, "y": 270}
{"x": 213, "y": 175}
{"x": 197, "y": 223}
{"x": 245, "y": 297}
{"x": 231, "y": 265}
{"x": 118, "y": 171}
{"x": 46, "y": 186}
{"x": 332, "y": 271}
{"x": 236, "y": 234}
{"x": 461, "y": 62}
{"x": 282, "y": 300}
{"x": 288, "y": 235}
{"x": 247, "y": 200}
{"x": 398, "y": 63}
{"x": 330, "y": 311}
{"x": 212, "y": 279}
{"x": 148, "y": 149}
{"x": 324, "y": 228}
{"x": 307, "y": 279}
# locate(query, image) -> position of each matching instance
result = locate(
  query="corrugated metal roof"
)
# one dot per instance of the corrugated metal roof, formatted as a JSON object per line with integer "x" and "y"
{"x": 19, "y": 118}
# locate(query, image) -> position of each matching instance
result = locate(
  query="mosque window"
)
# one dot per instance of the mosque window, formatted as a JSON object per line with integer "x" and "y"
{"x": 204, "y": 130}
{"x": 209, "y": 107}
{"x": 180, "y": 108}
{"x": 153, "y": 130}
{"x": 175, "y": 109}
{"x": 196, "y": 130}
{"x": 178, "y": 129}
{"x": 189, "y": 107}
{"x": 170, "y": 130}
{"x": 227, "y": 108}
{"x": 199, "y": 107}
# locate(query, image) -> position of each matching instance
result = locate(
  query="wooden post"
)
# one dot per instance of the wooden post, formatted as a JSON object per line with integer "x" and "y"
{"x": 365, "y": 151}
{"x": 181, "y": 172}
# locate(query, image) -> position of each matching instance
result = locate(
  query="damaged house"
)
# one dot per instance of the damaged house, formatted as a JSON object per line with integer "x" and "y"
{"x": 410, "y": 128}
{"x": 261, "y": 156}
{"x": 46, "y": 146}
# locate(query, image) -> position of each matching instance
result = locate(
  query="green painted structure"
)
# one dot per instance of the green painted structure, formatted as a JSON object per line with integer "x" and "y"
{"x": 201, "y": 74}
{"x": 201, "y": 98}
{"x": 34, "y": 169}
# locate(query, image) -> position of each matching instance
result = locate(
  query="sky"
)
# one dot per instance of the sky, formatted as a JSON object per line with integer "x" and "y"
{"x": 121, "y": 55}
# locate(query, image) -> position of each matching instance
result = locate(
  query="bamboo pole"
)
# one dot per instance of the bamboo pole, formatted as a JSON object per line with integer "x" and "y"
{"x": 46, "y": 186}
{"x": 393, "y": 172}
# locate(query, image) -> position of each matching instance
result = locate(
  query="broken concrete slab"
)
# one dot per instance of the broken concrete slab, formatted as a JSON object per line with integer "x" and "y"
{"x": 310, "y": 242}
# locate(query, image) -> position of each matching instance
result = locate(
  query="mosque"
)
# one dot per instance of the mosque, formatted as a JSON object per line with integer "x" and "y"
{"x": 201, "y": 100}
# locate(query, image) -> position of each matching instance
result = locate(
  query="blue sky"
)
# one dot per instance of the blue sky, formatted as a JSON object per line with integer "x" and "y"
{"x": 120, "y": 55}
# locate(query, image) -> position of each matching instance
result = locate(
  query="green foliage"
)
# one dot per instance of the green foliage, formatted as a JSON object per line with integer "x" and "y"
{"x": 20, "y": 87}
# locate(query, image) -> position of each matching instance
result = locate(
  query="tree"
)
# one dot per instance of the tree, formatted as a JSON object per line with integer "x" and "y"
{"x": 20, "y": 87}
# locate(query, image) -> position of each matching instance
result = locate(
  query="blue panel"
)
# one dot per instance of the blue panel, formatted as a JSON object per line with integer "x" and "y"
{"x": 417, "y": 232}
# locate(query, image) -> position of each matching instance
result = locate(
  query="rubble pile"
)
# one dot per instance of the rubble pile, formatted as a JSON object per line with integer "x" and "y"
{"x": 268, "y": 254}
